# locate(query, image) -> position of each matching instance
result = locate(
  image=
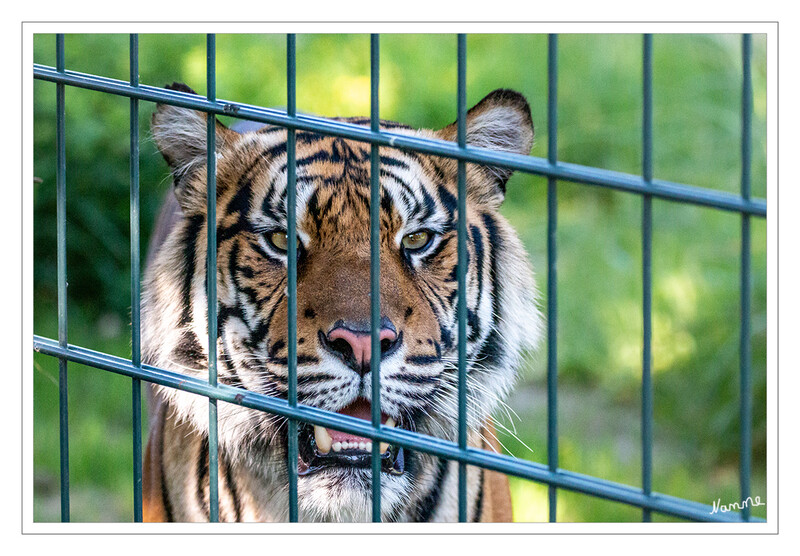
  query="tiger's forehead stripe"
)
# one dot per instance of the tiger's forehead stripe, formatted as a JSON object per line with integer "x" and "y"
{"x": 333, "y": 176}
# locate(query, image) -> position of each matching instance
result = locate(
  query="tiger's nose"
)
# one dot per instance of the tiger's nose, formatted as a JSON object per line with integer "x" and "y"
{"x": 353, "y": 343}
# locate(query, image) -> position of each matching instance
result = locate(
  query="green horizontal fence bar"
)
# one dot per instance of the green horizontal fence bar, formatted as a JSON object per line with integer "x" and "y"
{"x": 458, "y": 451}
{"x": 562, "y": 479}
{"x": 561, "y": 171}
{"x": 136, "y": 351}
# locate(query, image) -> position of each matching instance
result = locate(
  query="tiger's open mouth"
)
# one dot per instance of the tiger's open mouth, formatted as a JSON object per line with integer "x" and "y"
{"x": 322, "y": 448}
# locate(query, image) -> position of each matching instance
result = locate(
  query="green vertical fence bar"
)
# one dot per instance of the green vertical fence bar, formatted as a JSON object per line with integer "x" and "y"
{"x": 462, "y": 276}
{"x": 136, "y": 351}
{"x": 647, "y": 270}
{"x": 745, "y": 384}
{"x": 61, "y": 242}
{"x": 552, "y": 272}
{"x": 291, "y": 257}
{"x": 375, "y": 272}
{"x": 211, "y": 279}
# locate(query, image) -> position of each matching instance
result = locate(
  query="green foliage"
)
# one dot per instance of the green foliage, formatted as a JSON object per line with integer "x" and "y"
{"x": 696, "y": 255}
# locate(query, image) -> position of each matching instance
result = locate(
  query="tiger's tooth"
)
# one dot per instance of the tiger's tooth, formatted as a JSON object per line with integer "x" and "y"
{"x": 385, "y": 445}
{"x": 337, "y": 446}
{"x": 323, "y": 439}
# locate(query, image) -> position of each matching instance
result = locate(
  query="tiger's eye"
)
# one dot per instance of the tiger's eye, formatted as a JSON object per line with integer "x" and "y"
{"x": 416, "y": 241}
{"x": 280, "y": 241}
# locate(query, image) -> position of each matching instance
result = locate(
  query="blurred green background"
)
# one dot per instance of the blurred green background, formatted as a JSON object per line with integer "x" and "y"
{"x": 697, "y": 125}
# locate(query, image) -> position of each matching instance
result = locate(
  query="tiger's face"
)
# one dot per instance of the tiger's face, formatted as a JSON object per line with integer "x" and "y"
{"x": 418, "y": 297}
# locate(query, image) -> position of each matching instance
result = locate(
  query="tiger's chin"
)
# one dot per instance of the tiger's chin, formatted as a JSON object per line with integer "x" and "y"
{"x": 344, "y": 494}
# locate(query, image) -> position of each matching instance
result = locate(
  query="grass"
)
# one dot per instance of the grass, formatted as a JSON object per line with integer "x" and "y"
{"x": 101, "y": 443}
{"x": 695, "y": 250}
{"x": 601, "y": 437}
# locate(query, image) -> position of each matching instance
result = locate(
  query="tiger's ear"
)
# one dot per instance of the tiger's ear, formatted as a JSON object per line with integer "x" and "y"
{"x": 180, "y": 134}
{"x": 502, "y": 122}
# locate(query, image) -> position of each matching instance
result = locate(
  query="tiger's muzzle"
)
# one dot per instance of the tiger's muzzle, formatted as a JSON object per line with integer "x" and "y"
{"x": 322, "y": 448}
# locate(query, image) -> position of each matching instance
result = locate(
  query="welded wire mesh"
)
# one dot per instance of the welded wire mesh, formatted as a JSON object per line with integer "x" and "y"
{"x": 550, "y": 474}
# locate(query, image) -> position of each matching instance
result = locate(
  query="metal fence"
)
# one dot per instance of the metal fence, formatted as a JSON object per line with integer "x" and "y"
{"x": 555, "y": 171}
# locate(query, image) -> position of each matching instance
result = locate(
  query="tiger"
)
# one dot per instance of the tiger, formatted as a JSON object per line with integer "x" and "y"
{"x": 418, "y": 327}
